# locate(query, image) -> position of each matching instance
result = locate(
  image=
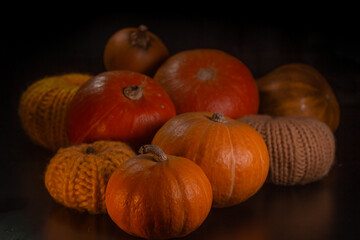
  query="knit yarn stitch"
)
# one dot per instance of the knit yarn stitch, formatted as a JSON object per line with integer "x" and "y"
{"x": 301, "y": 149}
{"x": 77, "y": 176}
{"x": 43, "y": 108}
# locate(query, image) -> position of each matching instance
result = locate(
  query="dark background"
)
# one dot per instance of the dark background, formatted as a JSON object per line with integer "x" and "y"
{"x": 45, "y": 44}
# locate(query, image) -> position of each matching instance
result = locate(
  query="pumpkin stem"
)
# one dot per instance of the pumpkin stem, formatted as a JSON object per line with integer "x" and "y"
{"x": 133, "y": 92}
{"x": 158, "y": 153}
{"x": 90, "y": 150}
{"x": 205, "y": 74}
{"x": 140, "y": 38}
{"x": 218, "y": 117}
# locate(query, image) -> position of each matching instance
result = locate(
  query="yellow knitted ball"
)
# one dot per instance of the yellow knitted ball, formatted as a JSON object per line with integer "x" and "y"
{"x": 77, "y": 176}
{"x": 43, "y": 108}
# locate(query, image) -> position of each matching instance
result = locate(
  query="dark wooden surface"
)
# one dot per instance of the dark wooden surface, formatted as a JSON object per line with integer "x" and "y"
{"x": 34, "y": 48}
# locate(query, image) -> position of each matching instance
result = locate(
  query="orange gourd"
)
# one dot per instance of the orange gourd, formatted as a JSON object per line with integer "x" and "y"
{"x": 232, "y": 154}
{"x": 158, "y": 196}
{"x": 298, "y": 89}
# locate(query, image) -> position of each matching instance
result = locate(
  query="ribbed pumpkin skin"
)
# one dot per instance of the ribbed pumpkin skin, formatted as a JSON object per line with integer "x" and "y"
{"x": 158, "y": 200}
{"x": 298, "y": 89}
{"x": 233, "y": 156}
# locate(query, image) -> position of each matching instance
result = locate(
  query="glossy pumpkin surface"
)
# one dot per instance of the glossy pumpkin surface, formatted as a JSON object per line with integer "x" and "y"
{"x": 118, "y": 105}
{"x": 158, "y": 196}
{"x": 298, "y": 89}
{"x": 232, "y": 154}
{"x": 209, "y": 80}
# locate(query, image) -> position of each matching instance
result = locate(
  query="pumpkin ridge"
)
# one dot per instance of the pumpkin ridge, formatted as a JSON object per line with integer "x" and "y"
{"x": 183, "y": 133}
{"x": 203, "y": 133}
{"x": 232, "y": 168}
{"x": 94, "y": 125}
{"x": 181, "y": 190}
{"x": 133, "y": 188}
{"x": 262, "y": 160}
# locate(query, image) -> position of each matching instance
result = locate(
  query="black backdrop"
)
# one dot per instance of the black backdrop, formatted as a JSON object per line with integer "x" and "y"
{"x": 42, "y": 45}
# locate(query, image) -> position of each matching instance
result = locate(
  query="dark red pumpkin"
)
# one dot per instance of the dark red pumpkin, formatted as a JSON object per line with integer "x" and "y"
{"x": 209, "y": 80}
{"x": 118, "y": 105}
{"x": 135, "y": 49}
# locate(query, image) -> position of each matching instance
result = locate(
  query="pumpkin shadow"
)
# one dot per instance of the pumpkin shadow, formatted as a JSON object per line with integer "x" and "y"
{"x": 65, "y": 223}
{"x": 241, "y": 222}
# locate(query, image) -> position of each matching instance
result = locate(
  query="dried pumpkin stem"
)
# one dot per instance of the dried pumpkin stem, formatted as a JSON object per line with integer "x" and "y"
{"x": 158, "y": 153}
{"x": 218, "y": 117}
{"x": 140, "y": 38}
{"x": 133, "y": 92}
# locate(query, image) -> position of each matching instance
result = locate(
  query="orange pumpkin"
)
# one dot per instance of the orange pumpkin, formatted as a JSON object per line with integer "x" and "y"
{"x": 232, "y": 154}
{"x": 155, "y": 195}
{"x": 298, "y": 89}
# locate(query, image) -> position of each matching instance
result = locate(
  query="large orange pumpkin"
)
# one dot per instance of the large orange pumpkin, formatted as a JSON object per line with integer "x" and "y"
{"x": 298, "y": 89}
{"x": 158, "y": 196}
{"x": 232, "y": 154}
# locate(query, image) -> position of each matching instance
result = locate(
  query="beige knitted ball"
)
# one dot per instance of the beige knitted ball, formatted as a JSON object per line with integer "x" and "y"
{"x": 301, "y": 149}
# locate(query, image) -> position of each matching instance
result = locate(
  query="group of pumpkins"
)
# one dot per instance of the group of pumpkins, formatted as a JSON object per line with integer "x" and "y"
{"x": 184, "y": 115}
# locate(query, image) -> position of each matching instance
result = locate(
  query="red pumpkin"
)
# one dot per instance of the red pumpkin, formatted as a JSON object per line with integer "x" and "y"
{"x": 118, "y": 105}
{"x": 232, "y": 154}
{"x": 209, "y": 80}
{"x": 158, "y": 196}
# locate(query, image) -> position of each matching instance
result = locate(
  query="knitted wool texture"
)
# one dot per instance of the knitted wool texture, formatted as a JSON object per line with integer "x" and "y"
{"x": 77, "y": 175}
{"x": 43, "y": 108}
{"x": 301, "y": 149}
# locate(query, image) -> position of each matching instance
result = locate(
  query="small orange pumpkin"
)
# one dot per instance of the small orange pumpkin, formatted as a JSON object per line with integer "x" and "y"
{"x": 232, "y": 154}
{"x": 155, "y": 195}
{"x": 298, "y": 89}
